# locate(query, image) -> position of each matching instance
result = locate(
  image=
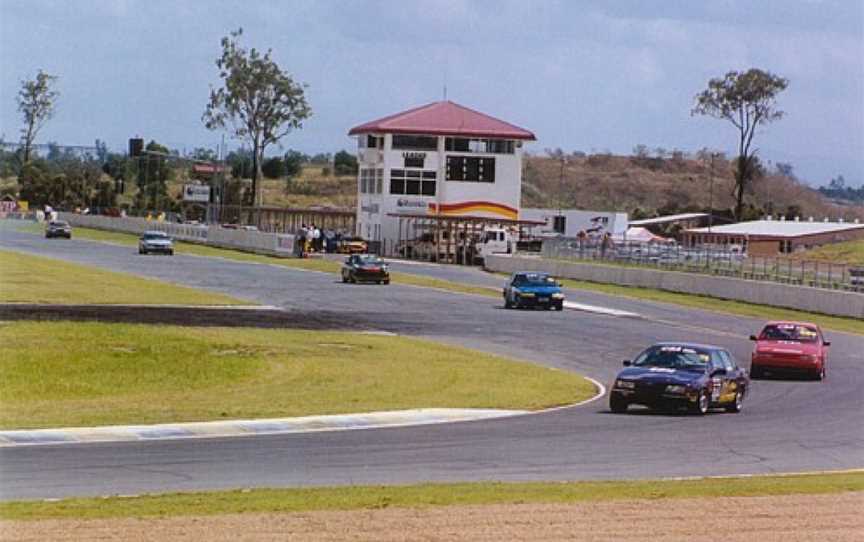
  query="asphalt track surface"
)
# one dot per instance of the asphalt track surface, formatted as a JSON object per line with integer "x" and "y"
{"x": 786, "y": 426}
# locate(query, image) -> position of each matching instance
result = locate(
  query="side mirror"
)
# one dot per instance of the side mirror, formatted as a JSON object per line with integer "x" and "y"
{"x": 627, "y": 363}
{"x": 348, "y": 260}
{"x": 718, "y": 372}
{"x": 826, "y": 343}
{"x": 753, "y": 338}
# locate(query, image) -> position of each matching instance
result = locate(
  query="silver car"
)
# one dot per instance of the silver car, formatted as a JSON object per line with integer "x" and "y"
{"x": 155, "y": 242}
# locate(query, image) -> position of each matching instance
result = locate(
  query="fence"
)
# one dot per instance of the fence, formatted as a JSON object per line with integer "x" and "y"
{"x": 711, "y": 260}
{"x": 239, "y": 239}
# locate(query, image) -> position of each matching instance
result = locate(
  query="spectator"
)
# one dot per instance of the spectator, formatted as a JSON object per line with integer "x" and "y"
{"x": 300, "y": 243}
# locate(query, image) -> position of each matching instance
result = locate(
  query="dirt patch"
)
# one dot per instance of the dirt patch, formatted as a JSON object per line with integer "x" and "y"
{"x": 190, "y": 316}
{"x": 787, "y": 518}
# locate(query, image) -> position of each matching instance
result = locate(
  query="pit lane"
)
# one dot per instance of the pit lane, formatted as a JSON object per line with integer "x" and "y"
{"x": 786, "y": 426}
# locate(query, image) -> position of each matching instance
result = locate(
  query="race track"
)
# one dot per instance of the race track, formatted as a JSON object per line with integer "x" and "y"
{"x": 786, "y": 425}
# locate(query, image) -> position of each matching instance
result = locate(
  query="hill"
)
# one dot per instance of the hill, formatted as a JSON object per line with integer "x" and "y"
{"x": 647, "y": 186}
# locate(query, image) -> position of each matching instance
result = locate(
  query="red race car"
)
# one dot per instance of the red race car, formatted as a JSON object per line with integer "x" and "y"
{"x": 795, "y": 347}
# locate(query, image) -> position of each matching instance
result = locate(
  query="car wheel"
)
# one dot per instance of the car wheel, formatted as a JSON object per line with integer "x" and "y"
{"x": 617, "y": 405}
{"x": 820, "y": 375}
{"x": 559, "y": 307}
{"x": 171, "y": 252}
{"x": 344, "y": 278}
{"x": 142, "y": 251}
{"x": 738, "y": 404}
{"x": 702, "y": 404}
{"x": 387, "y": 281}
{"x": 755, "y": 372}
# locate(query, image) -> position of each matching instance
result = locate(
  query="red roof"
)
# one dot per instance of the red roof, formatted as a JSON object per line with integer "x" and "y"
{"x": 443, "y": 118}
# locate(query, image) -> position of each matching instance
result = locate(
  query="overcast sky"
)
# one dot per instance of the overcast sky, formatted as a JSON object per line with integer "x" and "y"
{"x": 583, "y": 75}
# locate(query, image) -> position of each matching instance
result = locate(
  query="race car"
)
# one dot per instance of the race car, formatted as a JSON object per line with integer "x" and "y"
{"x": 155, "y": 241}
{"x": 671, "y": 376}
{"x": 793, "y": 347}
{"x": 535, "y": 290}
{"x": 58, "y": 228}
{"x": 366, "y": 268}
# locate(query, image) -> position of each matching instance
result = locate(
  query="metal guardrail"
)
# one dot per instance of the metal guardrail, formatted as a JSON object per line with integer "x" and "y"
{"x": 712, "y": 261}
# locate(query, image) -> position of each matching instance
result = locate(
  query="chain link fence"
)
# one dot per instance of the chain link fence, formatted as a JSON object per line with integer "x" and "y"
{"x": 710, "y": 260}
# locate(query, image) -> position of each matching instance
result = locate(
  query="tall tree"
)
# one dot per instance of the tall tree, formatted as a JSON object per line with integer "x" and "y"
{"x": 260, "y": 101}
{"x": 746, "y": 100}
{"x": 36, "y": 101}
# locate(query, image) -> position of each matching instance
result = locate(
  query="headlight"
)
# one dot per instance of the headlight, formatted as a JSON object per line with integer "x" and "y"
{"x": 559, "y": 295}
{"x": 625, "y": 384}
{"x": 674, "y": 388}
{"x": 384, "y": 268}
{"x": 525, "y": 294}
{"x": 811, "y": 358}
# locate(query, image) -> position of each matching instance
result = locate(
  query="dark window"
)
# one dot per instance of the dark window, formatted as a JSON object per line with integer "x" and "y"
{"x": 425, "y": 143}
{"x": 559, "y": 224}
{"x": 412, "y": 174}
{"x": 412, "y": 182}
{"x": 415, "y": 161}
{"x": 412, "y": 187}
{"x": 457, "y": 144}
{"x": 397, "y": 186}
{"x": 429, "y": 175}
{"x": 492, "y": 146}
{"x": 428, "y": 188}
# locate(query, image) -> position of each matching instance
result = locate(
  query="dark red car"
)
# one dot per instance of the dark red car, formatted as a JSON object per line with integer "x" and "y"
{"x": 794, "y": 347}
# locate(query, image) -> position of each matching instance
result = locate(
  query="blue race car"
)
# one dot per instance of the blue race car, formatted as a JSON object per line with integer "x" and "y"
{"x": 681, "y": 375}
{"x": 533, "y": 290}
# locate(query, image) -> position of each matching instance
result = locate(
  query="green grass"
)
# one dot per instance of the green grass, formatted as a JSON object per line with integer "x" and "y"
{"x": 850, "y": 252}
{"x": 34, "y": 279}
{"x": 423, "y": 495}
{"x": 65, "y": 374}
{"x": 738, "y": 308}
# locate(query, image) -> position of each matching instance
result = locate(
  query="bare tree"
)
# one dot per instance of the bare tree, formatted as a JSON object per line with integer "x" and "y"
{"x": 36, "y": 101}
{"x": 746, "y": 100}
{"x": 260, "y": 101}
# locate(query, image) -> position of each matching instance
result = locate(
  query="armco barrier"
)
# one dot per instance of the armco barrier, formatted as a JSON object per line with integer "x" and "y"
{"x": 274, "y": 244}
{"x": 837, "y": 303}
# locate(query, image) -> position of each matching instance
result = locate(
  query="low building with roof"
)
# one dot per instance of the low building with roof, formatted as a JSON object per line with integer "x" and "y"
{"x": 769, "y": 237}
{"x": 438, "y": 160}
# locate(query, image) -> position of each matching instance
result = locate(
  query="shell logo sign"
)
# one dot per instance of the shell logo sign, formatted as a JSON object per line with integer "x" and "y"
{"x": 472, "y": 207}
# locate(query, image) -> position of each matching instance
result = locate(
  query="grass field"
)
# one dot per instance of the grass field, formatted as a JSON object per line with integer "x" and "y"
{"x": 34, "y": 279}
{"x": 850, "y": 252}
{"x": 85, "y": 374}
{"x": 739, "y": 308}
{"x": 424, "y": 495}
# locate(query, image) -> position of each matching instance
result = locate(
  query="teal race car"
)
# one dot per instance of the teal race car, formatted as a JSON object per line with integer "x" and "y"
{"x": 533, "y": 290}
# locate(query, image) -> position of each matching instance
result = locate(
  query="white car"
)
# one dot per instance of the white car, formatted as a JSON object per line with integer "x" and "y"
{"x": 155, "y": 241}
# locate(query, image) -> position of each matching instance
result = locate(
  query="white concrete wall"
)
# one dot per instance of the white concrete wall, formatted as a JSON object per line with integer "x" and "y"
{"x": 249, "y": 241}
{"x": 833, "y": 302}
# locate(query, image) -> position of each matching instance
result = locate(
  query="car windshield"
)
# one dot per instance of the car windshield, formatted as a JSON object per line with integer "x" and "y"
{"x": 673, "y": 357}
{"x": 370, "y": 260}
{"x": 59, "y": 224}
{"x": 789, "y": 332}
{"x": 155, "y": 236}
{"x": 533, "y": 279}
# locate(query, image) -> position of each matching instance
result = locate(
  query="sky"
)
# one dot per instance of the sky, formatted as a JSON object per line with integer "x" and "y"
{"x": 590, "y": 76}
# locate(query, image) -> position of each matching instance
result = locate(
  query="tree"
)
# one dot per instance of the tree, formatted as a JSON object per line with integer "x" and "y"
{"x": 294, "y": 163}
{"x": 36, "y": 101}
{"x": 273, "y": 168}
{"x": 746, "y": 100}
{"x": 260, "y": 101}
{"x": 345, "y": 163}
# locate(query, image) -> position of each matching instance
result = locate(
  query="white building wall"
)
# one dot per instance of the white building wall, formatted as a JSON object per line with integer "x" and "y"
{"x": 452, "y": 197}
{"x": 577, "y": 220}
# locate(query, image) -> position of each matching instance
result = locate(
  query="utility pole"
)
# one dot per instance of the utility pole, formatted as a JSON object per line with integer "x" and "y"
{"x": 560, "y": 195}
{"x": 711, "y": 194}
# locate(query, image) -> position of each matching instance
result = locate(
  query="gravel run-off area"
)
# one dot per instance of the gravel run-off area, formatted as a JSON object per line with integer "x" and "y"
{"x": 832, "y": 517}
